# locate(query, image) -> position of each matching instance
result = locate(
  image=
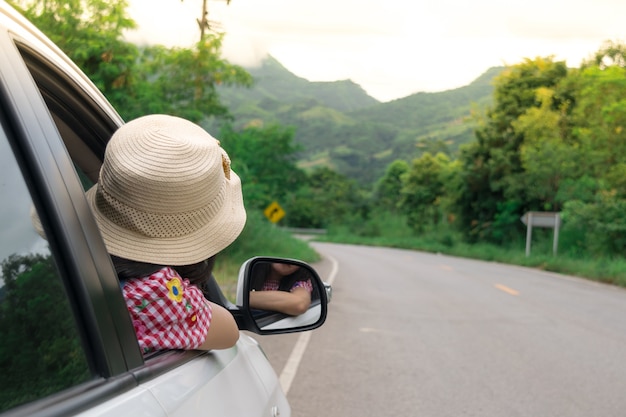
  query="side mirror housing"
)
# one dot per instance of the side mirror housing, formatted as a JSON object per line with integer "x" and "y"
{"x": 252, "y": 276}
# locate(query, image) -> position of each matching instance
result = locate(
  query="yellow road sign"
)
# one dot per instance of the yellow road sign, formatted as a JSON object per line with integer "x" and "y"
{"x": 274, "y": 212}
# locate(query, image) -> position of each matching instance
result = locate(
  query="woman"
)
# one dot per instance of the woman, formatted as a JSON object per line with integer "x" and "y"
{"x": 166, "y": 203}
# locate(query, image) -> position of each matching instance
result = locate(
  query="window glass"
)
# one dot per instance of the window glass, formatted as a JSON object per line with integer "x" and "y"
{"x": 40, "y": 349}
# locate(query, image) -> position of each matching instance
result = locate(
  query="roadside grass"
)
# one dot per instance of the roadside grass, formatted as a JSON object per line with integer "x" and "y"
{"x": 258, "y": 238}
{"x": 261, "y": 238}
{"x": 391, "y": 231}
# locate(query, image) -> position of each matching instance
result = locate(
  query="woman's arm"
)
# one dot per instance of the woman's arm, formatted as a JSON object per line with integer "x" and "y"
{"x": 293, "y": 303}
{"x": 223, "y": 331}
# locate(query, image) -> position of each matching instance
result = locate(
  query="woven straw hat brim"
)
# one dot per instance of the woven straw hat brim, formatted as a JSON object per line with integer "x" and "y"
{"x": 188, "y": 249}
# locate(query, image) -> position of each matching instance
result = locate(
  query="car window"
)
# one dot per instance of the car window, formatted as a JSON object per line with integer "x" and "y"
{"x": 40, "y": 348}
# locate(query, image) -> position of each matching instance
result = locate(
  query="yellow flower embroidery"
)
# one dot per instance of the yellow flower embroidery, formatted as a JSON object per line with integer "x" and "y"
{"x": 176, "y": 290}
{"x": 192, "y": 321}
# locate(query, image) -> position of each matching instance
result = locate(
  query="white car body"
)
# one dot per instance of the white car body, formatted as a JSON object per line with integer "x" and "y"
{"x": 232, "y": 382}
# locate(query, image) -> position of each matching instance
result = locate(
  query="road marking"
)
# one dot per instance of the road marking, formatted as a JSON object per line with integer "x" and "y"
{"x": 506, "y": 289}
{"x": 291, "y": 367}
{"x": 446, "y": 268}
{"x": 333, "y": 270}
{"x": 368, "y": 330}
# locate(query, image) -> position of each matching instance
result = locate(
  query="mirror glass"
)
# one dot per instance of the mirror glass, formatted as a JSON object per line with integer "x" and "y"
{"x": 283, "y": 294}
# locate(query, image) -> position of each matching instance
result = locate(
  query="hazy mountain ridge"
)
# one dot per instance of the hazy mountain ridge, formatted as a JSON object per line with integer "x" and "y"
{"x": 273, "y": 82}
{"x": 340, "y": 125}
{"x": 432, "y": 108}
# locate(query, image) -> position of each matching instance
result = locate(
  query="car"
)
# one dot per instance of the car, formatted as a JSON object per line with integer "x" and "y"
{"x": 67, "y": 343}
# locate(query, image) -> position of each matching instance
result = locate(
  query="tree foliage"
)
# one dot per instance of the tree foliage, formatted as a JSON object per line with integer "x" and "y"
{"x": 184, "y": 81}
{"x": 325, "y": 198}
{"x": 553, "y": 140}
{"x": 137, "y": 81}
{"x": 422, "y": 190}
{"x": 265, "y": 159}
{"x": 40, "y": 351}
{"x": 389, "y": 186}
{"x": 90, "y": 33}
{"x": 546, "y": 157}
{"x": 492, "y": 166}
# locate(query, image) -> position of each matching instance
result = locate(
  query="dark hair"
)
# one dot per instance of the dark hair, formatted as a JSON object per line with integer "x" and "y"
{"x": 197, "y": 274}
{"x": 260, "y": 272}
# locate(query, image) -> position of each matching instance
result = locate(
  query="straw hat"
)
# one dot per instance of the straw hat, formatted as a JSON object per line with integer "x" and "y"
{"x": 166, "y": 194}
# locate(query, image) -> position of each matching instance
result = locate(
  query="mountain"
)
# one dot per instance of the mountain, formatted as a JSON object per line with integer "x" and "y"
{"x": 273, "y": 83}
{"x": 338, "y": 124}
{"x": 420, "y": 110}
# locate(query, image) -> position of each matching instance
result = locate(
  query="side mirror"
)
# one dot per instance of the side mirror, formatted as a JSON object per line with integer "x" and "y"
{"x": 280, "y": 295}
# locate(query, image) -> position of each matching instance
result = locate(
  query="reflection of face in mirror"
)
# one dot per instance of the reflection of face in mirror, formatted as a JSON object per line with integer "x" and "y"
{"x": 284, "y": 269}
{"x": 281, "y": 287}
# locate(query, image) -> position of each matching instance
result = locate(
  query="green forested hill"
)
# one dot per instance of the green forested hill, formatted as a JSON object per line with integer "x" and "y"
{"x": 274, "y": 85}
{"x": 339, "y": 125}
{"x": 423, "y": 111}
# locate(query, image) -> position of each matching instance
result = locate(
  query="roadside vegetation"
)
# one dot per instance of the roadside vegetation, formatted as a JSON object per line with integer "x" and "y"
{"x": 391, "y": 231}
{"x": 552, "y": 138}
{"x": 259, "y": 238}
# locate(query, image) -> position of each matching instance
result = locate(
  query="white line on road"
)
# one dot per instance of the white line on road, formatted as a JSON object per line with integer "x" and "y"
{"x": 291, "y": 367}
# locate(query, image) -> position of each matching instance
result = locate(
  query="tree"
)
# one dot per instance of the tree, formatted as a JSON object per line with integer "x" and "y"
{"x": 36, "y": 322}
{"x": 90, "y": 33}
{"x": 387, "y": 189}
{"x": 492, "y": 167}
{"x": 547, "y": 158}
{"x": 595, "y": 200}
{"x": 137, "y": 81}
{"x": 324, "y": 199}
{"x": 265, "y": 159}
{"x": 422, "y": 190}
{"x": 183, "y": 81}
{"x": 599, "y": 117}
{"x": 602, "y": 223}
{"x": 611, "y": 54}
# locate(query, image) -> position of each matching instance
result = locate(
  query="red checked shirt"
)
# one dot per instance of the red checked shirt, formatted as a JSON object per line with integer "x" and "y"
{"x": 274, "y": 285}
{"x": 167, "y": 311}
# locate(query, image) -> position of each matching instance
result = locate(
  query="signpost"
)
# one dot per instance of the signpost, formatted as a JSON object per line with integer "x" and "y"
{"x": 541, "y": 219}
{"x": 274, "y": 212}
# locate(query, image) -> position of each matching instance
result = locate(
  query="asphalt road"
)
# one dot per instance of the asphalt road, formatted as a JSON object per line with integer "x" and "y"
{"x": 416, "y": 334}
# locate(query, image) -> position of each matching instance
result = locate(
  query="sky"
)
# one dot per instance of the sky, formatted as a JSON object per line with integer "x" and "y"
{"x": 391, "y": 48}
